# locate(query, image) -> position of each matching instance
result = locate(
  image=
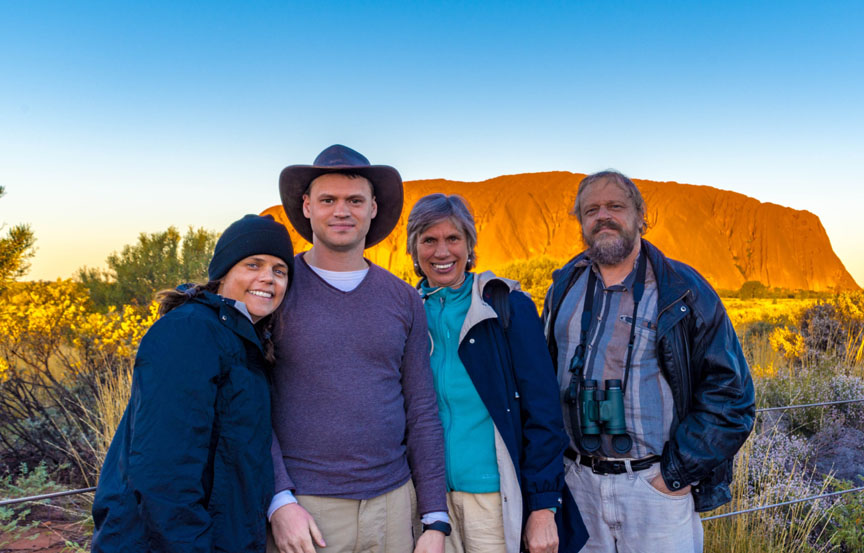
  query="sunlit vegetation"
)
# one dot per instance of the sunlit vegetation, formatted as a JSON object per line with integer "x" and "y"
{"x": 801, "y": 352}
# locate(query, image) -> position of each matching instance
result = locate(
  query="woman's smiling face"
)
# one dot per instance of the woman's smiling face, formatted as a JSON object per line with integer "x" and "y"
{"x": 259, "y": 281}
{"x": 442, "y": 252}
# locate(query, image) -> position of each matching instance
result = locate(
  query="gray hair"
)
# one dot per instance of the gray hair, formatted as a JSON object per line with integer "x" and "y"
{"x": 624, "y": 183}
{"x": 431, "y": 210}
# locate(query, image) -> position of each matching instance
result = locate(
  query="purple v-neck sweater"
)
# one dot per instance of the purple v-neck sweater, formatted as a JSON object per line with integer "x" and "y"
{"x": 354, "y": 406}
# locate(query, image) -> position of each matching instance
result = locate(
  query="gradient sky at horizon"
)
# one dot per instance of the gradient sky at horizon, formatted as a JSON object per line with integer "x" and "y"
{"x": 121, "y": 117}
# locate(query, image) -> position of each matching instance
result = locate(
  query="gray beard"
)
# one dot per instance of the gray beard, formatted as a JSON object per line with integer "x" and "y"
{"x": 611, "y": 252}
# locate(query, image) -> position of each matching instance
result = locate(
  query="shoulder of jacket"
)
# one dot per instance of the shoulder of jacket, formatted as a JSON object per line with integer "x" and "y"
{"x": 488, "y": 278}
{"x": 703, "y": 299}
{"x": 191, "y": 318}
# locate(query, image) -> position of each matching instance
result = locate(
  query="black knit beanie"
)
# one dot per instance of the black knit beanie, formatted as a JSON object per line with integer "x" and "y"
{"x": 251, "y": 235}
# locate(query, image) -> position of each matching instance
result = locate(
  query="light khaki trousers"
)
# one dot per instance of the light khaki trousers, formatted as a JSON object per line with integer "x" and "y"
{"x": 477, "y": 522}
{"x": 382, "y": 524}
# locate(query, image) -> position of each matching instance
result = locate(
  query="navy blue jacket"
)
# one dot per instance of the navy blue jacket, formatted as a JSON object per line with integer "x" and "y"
{"x": 189, "y": 469}
{"x": 701, "y": 358}
{"x": 514, "y": 376}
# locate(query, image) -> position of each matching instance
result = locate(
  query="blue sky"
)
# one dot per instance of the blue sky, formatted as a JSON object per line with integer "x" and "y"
{"x": 125, "y": 117}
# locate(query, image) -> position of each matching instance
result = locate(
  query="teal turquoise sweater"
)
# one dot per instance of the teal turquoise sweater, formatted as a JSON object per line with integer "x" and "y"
{"x": 469, "y": 435}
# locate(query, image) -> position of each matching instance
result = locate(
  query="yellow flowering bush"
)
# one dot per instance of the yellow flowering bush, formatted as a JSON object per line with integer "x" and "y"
{"x": 850, "y": 305}
{"x": 773, "y": 311}
{"x": 49, "y": 325}
{"x": 55, "y": 354}
{"x": 114, "y": 332}
{"x": 788, "y": 342}
{"x": 35, "y": 318}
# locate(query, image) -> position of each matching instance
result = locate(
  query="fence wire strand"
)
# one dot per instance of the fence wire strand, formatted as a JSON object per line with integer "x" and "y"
{"x": 5, "y": 502}
{"x": 786, "y": 407}
{"x": 790, "y": 502}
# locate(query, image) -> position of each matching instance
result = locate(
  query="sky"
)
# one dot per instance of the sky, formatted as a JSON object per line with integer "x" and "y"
{"x": 120, "y": 117}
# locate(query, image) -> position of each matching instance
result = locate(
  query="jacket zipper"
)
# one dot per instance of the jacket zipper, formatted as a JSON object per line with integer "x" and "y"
{"x": 685, "y": 380}
{"x": 442, "y": 329}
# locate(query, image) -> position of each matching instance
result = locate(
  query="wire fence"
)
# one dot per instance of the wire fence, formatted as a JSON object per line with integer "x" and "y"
{"x": 14, "y": 501}
{"x": 787, "y": 407}
{"x": 6, "y": 502}
{"x": 803, "y": 499}
{"x": 790, "y": 502}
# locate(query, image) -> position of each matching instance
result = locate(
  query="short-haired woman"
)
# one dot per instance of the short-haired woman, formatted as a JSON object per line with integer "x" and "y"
{"x": 497, "y": 395}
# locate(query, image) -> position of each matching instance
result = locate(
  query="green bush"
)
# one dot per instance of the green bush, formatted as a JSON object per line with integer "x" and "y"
{"x": 847, "y": 518}
{"x": 14, "y": 520}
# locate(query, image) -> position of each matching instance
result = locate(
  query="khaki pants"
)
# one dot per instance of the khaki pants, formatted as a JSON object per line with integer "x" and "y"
{"x": 624, "y": 513}
{"x": 382, "y": 524}
{"x": 477, "y": 521}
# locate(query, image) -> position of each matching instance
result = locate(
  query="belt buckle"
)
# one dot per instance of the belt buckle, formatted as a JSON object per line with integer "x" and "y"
{"x": 594, "y": 468}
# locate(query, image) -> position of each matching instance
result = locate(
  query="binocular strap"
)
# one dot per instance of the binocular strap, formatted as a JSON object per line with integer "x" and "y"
{"x": 577, "y": 363}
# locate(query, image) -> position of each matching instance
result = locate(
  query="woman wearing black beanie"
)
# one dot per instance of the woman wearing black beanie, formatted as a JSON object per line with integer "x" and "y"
{"x": 188, "y": 468}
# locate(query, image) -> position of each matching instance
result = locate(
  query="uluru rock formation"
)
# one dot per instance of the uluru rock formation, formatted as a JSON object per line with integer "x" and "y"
{"x": 728, "y": 237}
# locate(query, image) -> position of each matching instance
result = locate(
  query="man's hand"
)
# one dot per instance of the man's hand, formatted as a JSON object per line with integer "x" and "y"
{"x": 430, "y": 541}
{"x": 660, "y": 485}
{"x": 294, "y": 529}
{"x": 541, "y": 533}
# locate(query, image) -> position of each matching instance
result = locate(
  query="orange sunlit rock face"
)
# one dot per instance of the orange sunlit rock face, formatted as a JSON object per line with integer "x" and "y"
{"x": 728, "y": 237}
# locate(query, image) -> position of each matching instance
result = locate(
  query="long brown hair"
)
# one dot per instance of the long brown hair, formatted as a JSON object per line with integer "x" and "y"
{"x": 266, "y": 328}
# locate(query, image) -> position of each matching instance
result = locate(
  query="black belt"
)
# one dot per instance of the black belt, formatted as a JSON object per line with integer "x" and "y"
{"x": 604, "y": 466}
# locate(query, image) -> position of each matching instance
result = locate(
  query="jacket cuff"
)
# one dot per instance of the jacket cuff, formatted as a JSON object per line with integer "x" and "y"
{"x": 672, "y": 476}
{"x": 544, "y": 500}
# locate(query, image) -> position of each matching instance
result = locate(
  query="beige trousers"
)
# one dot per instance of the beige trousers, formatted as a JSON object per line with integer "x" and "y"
{"x": 477, "y": 521}
{"x": 382, "y": 524}
{"x": 624, "y": 513}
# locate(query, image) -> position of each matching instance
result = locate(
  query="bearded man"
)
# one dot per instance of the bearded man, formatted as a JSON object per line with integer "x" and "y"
{"x": 656, "y": 393}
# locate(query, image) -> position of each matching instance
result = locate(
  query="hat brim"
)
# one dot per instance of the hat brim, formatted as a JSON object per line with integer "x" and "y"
{"x": 386, "y": 184}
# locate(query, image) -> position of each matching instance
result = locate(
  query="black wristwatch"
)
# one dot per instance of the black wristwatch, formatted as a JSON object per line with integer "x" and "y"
{"x": 439, "y": 525}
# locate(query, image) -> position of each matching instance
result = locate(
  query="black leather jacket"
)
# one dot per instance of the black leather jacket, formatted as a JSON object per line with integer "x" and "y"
{"x": 701, "y": 358}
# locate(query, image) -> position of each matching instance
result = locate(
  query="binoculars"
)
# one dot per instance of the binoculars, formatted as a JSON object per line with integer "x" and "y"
{"x": 603, "y": 413}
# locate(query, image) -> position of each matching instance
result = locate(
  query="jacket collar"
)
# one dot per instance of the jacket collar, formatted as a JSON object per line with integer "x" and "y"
{"x": 479, "y": 310}
{"x": 671, "y": 286}
{"x": 229, "y": 316}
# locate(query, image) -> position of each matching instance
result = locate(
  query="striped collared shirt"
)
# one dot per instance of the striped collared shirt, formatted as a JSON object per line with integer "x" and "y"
{"x": 648, "y": 401}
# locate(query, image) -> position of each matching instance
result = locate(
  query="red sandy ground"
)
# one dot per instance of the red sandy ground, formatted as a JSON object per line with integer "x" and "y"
{"x": 56, "y": 527}
{"x": 51, "y": 537}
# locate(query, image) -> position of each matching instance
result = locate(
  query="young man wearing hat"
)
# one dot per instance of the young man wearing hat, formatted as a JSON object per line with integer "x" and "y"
{"x": 354, "y": 412}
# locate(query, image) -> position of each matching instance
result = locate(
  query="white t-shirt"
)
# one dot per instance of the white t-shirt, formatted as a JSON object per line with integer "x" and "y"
{"x": 342, "y": 280}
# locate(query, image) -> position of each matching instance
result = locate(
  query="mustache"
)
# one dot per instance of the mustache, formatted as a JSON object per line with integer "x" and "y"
{"x": 600, "y": 225}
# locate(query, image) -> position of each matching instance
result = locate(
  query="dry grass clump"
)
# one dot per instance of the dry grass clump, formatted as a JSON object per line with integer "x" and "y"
{"x": 770, "y": 469}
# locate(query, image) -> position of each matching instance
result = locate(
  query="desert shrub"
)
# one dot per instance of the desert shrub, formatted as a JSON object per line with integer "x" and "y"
{"x": 534, "y": 275}
{"x": 813, "y": 384}
{"x": 55, "y": 354}
{"x": 763, "y": 358}
{"x": 16, "y": 248}
{"x": 823, "y": 332}
{"x": 833, "y": 331}
{"x": 769, "y": 469}
{"x": 24, "y": 521}
{"x": 752, "y": 289}
{"x": 774, "y": 312}
{"x": 847, "y": 517}
{"x": 157, "y": 261}
{"x": 16, "y": 520}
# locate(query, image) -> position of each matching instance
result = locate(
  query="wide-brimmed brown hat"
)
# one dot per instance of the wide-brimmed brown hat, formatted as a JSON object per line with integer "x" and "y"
{"x": 386, "y": 186}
